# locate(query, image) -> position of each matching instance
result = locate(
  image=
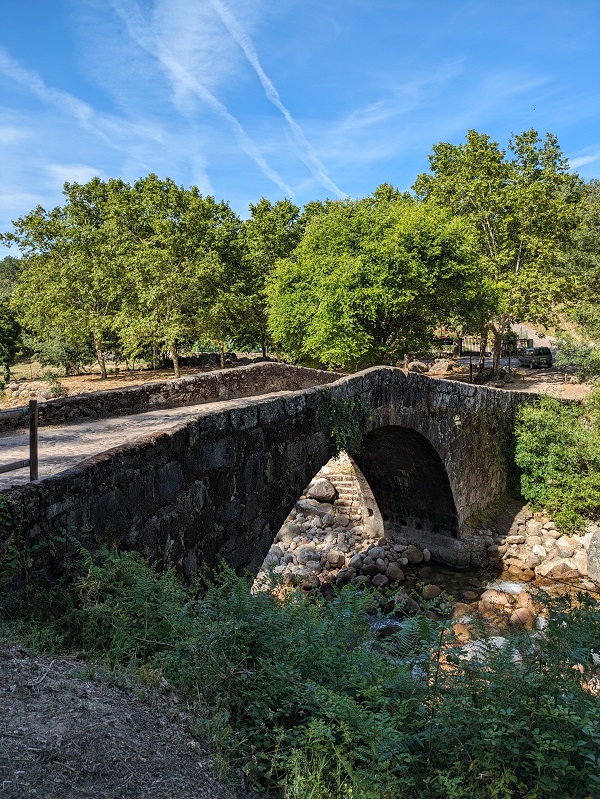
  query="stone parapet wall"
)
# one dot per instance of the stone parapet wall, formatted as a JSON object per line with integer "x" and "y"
{"x": 223, "y": 384}
{"x": 434, "y": 453}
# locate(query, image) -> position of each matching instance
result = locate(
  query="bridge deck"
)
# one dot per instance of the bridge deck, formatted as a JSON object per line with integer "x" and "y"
{"x": 64, "y": 446}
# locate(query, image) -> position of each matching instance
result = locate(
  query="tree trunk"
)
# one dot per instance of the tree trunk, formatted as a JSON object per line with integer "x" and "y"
{"x": 100, "y": 356}
{"x": 175, "y": 357}
{"x": 483, "y": 347}
{"x": 497, "y": 351}
{"x": 263, "y": 345}
{"x": 222, "y": 355}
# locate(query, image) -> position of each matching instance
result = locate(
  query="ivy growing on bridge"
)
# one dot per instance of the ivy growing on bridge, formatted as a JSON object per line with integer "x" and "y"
{"x": 343, "y": 421}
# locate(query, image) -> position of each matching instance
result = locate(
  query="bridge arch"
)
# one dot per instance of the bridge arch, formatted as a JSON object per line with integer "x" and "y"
{"x": 409, "y": 483}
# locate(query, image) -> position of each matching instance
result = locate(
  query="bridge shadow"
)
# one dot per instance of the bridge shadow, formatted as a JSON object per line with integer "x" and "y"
{"x": 396, "y": 491}
{"x": 409, "y": 484}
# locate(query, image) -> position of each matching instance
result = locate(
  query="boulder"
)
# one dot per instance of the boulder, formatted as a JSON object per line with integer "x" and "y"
{"x": 533, "y": 528}
{"x": 594, "y": 558}
{"x": 431, "y": 591}
{"x": 335, "y": 558}
{"x": 525, "y": 600}
{"x": 523, "y": 617}
{"x": 494, "y": 597}
{"x": 356, "y": 561}
{"x": 418, "y": 366}
{"x": 565, "y": 546}
{"x": 413, "y": 555}
{"x": 580, "y": 561}
{"x": 441, "y": 366}
{"x": 558, "y": 568}
{"x": 380, "y": 580}
{"x": 322, "y": 490}
{"x": 312, "y": 507}
{"x": 394, "y": 573}
{"x": 306, "y": 553}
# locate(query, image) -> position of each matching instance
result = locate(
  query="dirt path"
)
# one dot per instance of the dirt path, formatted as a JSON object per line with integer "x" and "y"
{"x": 67, "y": 732}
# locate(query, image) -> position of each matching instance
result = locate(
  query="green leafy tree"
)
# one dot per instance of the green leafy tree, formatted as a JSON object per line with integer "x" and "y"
{"x": 10, "y": 330}
{"x": 272, "y": 232}
{"x": 523, "y": 209}
{"x": 369, "y": 280}
{"x": 72, "y": 278}
{"x": 179, "y": 249}
{"x": 581, "y": 263}
{"x": 10, "y": 335}
{"x": 10, "y": 268}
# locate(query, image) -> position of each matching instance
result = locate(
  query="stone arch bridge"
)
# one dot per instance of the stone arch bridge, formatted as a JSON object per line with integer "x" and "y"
{"x": 435, "y": 455}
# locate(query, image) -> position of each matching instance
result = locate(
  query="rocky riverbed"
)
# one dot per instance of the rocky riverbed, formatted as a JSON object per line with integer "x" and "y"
{"x": 326, "y": 541}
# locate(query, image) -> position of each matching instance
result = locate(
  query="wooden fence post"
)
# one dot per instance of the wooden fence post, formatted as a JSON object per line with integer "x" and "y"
{"x": 33, "y": 439}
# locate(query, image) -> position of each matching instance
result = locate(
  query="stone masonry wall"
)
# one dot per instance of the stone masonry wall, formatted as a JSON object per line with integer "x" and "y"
{"x": 242, "y": 381}
{"x": 223, "y": 483}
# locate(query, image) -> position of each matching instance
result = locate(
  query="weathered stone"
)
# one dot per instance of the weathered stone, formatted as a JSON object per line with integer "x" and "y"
{"x": 565, "y": 546}
{"x": 394, "y": 573}
{"x": 376, "y": 552}
{"x": 380, "y": 580}
{"x": 558, "y": 568}
{"x": 371, "y": 569}
{"x": 426, "y": 555}
{"x": 356, "y": 561}
{"x": 311, "y": 507}
{"x": 306, "y": 553}
{"x": 494, "y": 597}
{"x": 430, "y": 591}
{"x": 523, "y": 617}
{"x": 336, "y": 558}
{"x": 405, "y": 605}
{"x": 462, "y": 632}
{"x": 515, "y": 539}
{"x": 288, "y": 532}
{"x": 461, "y": 609}
{"x": 418, "y": 366}
{"x": 580, "y": 562}
{"x": 322, "y": 490}
{"x": 413, "y": 555}
{"x": 525, "y": 600}
{"x": 533, "y": 528}
{"x": 441, "y": 366}
{"x": 533, "y": 540}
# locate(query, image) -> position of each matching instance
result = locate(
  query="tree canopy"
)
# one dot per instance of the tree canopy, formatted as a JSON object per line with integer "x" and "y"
{"x": 369, "y": 279}
{"x": 522, "y": 205}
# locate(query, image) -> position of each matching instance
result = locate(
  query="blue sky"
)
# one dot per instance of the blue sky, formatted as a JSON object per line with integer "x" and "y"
{"x": 300, "y": 98}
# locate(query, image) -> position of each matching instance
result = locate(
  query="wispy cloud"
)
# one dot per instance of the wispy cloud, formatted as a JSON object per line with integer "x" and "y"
{"x": 72, "y": 173}
{"x": 584, "y": 160}
{"x": 181, "y": 75}
{"x": 107, "y": 127}
{"x": 305, "y": 149}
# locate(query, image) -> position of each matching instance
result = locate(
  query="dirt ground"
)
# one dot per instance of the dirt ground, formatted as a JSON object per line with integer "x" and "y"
{"x": 29, "y": 375}
{"x": 67, "y": 731}
{"x": 557, "y": 383}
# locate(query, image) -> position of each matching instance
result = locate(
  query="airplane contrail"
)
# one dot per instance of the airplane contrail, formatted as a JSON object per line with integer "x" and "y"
{"x": 183, "y": 77}
{"x": 305, "y": 149}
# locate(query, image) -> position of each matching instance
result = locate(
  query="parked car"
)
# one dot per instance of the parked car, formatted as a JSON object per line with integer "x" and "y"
{"x": 535, "y": 356}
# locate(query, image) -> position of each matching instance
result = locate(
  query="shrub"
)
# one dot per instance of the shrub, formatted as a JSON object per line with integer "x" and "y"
{"x": 575, "y": 352}
{"x": 310, "y": 705}
{"x": 558, "y": 452}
